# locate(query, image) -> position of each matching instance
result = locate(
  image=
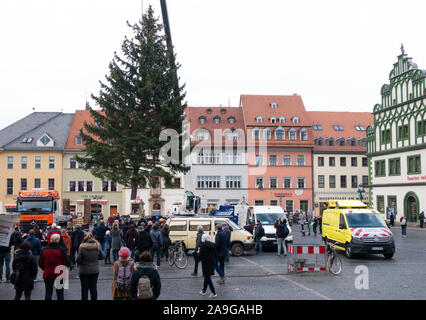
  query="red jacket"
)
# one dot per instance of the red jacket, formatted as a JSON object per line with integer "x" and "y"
{"x": 52, "y": 256}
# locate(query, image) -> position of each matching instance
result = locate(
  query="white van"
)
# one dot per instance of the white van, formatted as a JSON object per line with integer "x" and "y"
{"x": 186, "y": 228}
{"x": 267, "y": 215}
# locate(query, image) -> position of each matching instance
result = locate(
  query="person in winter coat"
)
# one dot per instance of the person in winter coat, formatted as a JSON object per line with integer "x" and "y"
{"x": 315, "y": 226}
{"x": 107, "y": 248}
{"x": 143, "y": 241}
{"x": 422, "y": 218}
{"x": 76, "y": 240}
{"x": 157, "y": 243}
{"x": 25, "y": 267}
{"x": 66, "y": 240}
{"x": 228, "y": 233}
{"x": 53, "y": 230}
{"x": 123, "y": 270}
{"x": 207, "y": 258}
{"x": 52, "y": 256}
{"x": 197, "y": 249}
{"x": 35, "y": 246}
{"x": 165, "y": 231}
{"x": 16, "y": 238}
{"x": 5, "y": 260}
{"x": 130, "y": 239}
{"x": 126, "y": 227}
{"x": 392, "y": 219}
{"x": 302, "y": 223}
{"x": 89, "y": 253}
{"x": 99, "y": 233}
{"x": 258, "y": 234}
{"x": 145, "y": 267}
{"x": 115, "y": 240}
{"x": 282, "y": 233}
{"x": 222, "y": 246}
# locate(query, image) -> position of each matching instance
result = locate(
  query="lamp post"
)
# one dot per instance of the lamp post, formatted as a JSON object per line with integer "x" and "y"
{"x": 361, "y": 191}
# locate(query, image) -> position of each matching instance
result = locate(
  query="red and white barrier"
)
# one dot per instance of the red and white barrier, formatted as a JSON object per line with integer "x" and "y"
{"x": 298, "y": 249}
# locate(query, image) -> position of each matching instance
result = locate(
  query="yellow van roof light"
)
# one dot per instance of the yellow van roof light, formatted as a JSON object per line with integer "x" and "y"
{"x": 351, "y": 204}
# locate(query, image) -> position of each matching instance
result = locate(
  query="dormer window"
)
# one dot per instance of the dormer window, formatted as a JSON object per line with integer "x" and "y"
{"x": 209, "y": 111}
{"x": 45, "y": 139}
{"x": 295, "y": 120}
{"x": 338, "y": 127}
{"x": 259, "y": 119}
{"x": 216, "y": 120}
{"x": 223, "y": 111}
{"x": 202, "y": 120}
{"x": 360, "y": 128}
{"x": 330, "y": 142}
{"x": 352, "y": 142}
{"x": 78, "y": 140}
{"x": 282, "y": 119}
{"x": 274, "y": 105}
{"x": 231, "y": 120}
{"x": 319, "y": 141}
{"x": 341, "y": 142}
{"x": 362, "y": 142}
{"x": 317, "y": 127}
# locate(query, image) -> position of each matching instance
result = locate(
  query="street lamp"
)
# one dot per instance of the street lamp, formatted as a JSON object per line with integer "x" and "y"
{"x": 361, "y": 191}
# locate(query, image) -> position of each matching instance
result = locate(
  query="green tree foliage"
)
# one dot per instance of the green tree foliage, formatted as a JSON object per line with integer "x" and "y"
{"x": 141, "y": 98}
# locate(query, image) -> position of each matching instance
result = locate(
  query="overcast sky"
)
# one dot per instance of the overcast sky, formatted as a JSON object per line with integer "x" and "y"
{"x": 335, "y": 54}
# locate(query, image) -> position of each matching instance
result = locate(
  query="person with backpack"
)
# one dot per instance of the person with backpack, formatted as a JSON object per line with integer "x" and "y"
{"x": 123, "y": 270}
{"x": 207, "y": 258}
{"x": 282, "y": 233}
{"x": 403, "y": 221}
{"x": 130, "y": 239}
{"x": 25, "y": 269}
{"x": 143, "y": 241}
{"x": 157, "y": 242}
{"x": 89, "y": 253}
{"x": 259, "y": 232}
{"x": 145, "y": 283}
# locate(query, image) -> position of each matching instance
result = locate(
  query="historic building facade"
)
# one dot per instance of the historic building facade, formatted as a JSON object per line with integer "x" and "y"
{"x": 340, "y": 159}
{"x": 396, "y": 143}
{"x": 279, "y": 151}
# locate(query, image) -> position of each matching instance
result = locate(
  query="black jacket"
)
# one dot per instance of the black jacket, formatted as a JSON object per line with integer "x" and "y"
{"x": 99, "y": 233}
{"x": 76, "y": 239}
{"x": 143, "y": 241}
{"x": 198, "y": 241}
{"x": 221, "y": 242}
{"x": 26, "y": 264}
{"x": 206, "y": 256}
{"x": 150, "y": 270}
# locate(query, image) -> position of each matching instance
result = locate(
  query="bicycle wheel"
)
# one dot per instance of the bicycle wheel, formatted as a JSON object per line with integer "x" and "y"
{"x": 334, "y": 264}
{"x": 181, "y": 259}
{"x": 171, "y": 259}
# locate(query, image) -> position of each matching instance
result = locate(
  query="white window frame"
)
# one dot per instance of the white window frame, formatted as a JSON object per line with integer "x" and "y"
{"x": 284, "y": 164}
{"x": 304, "y": 160}
{"x": 277, "y": 130}
{"x": 304, "y": 182}
{"x": 291, "y": 182}
{"x": 292, "y": 134}
{"x": 276, "y": 181}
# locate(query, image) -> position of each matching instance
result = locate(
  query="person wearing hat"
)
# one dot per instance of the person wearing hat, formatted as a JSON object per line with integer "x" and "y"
{"x": 54, "y": 230}
{"x": 123, "y": 270}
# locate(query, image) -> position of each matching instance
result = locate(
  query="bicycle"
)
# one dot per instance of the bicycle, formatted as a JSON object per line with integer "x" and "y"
{"x": 334, "y": 263}
{"x": 177, "y": 255}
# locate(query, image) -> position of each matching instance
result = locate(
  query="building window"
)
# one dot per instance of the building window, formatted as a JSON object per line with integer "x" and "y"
{"x": 321, "y": 182}
{"x": 343, "y": 183}
{"x": 413, "y": 163}
{"x": 421, "y": 128}
{"x": 51, "y": 185}
{"x": 385, "y": 136}
{"x": 109, "y": 186}
{"x": 292, "y": 134}
{"x": 317, "y": 127}
{"x": 300, "y": 160}
{"x": 380, "y": 168}
{"x": 273, "y": 202}
{"x": 319, "y": 141}
{"x": 259, "y": 159}
{"x": 273, "y": 182}
{"x": 364, "y": 181}
{"x": 24, "y": 162}
{"x": 403, "y": 132}
{"x": 274, "y": 105}
{"x": 287, "y": 160}
{"x": 354, "y": 182}
{"x": 202, "y": 120}
{"x": 301, "y": 183}
{"x": 332, "y": 182}
{"x": 338, "y": 127}
{"x": 330, "y": 142}
{"x": 273, "y": 160}
{"x": 295, "y": 120}
{"x": 37, "y": 183}
{"x": 72, "y": 186}
{"x": 352, "y": 142}
{"x": 320, "y": 161}
{"x": 232, "y": 158}
{"x": 273, "y": 120}
{"x": 364, "y": 161}
{"x": 279, "y": 133}
{"x": 37, "y": 162}
{"x": 10, "y": 162}
{"x": 360, "y": 128}
{"x": 259, "y": 119}
{"x": 89, "y": 186}
{"x": 216, "y": 120}
{"x": 256, "y": 134}
{"x": 23, "y": 184}
{"x": 259, "y": 182}
{"x": 381, "y": 204}
{"x": 267, "y": 134}
{"x": 78, "y": 140}
{"x": 354, "y": 161}
{"x": 341, "y": 142}
{"x": 73, "y": 163}
{"x": 208, "y": 182}
{"x": 81, "y": 185}
{"x": 282, "y": 120}
{"x": 287, "y": 182}
{"x": 343, "y": 161}
{"x": 394, "y": 167}
{"x": 9, "y": 187}
{"x": 231, "y": 120}
{"x": 233, "y": 182}
{"x": 303, "y": 134}
{"x": 51, "y": 162}
{"x": 331, "y": 161}
{"x": 259, "y": 202}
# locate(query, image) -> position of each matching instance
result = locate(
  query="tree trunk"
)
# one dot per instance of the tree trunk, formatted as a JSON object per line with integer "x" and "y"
{"x": 134, "y": 193}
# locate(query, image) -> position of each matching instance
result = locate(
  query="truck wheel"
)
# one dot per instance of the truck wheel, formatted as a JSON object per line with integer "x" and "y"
{"x": 388, "y": 255}
{"x": 348, "y": 251}
{"x": 237, "y": 249}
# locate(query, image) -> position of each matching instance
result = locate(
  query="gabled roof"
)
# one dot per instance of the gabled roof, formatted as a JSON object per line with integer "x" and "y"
{"x": 55, "y": 124}
{"x": 348, "y": 120}
{"x": 80, "y": 117}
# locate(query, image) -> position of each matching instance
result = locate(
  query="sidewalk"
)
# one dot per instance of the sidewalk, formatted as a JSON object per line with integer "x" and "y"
{"x": 411, "y": 225}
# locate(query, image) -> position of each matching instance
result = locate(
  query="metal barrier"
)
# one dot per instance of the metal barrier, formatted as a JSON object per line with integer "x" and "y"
{"x": 307, "y": 257}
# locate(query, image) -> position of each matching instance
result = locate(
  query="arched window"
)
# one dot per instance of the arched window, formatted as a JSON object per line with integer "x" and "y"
{"x": 273, "y": 120}
{"x": 303, "y": 134}
{"x": 202, "y": 120}
{"x": 216, "y": 120}
{"x": 292, "y": 133}
{"x": 330, "y": 142}
{"x": 267, "y": 134}
{"x": 203, "y": 134}
{"x": 282, "y": 119}
{"x": 295, "y": 120}
{"x": 279, "y": 133}
{"x": 259, "y": 119}
{"x": 256, "y": 133}
{"x": 231, "y": 120}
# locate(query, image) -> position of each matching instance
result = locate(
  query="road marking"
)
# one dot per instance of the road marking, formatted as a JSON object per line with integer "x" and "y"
{"x": 289, "y": 280}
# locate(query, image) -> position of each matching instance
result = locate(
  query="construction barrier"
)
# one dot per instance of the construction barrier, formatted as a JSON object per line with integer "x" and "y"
{"x": 306, "y": 257}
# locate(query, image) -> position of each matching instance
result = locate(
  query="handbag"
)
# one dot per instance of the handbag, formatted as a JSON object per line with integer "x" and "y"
{"x": 14, "y": 277}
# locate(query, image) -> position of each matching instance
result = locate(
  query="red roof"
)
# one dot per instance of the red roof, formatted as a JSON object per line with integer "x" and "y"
{"x": 80, "y": 117}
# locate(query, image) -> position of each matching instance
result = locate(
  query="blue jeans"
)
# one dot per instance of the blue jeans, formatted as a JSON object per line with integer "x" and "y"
{"x": 219, "y": 265}
{"x": 5, "y": 258}
{"x": 156, "y": 250}
{"x": 88, "y": 283}
{"x": 115, "y": 254}
{"x": 258, "y": 245}
{"x": 48, "y": 284}
{"x": 404, "y": 230}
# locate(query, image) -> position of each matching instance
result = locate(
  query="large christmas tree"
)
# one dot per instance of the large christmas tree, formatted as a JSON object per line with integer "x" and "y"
{"x": 141, "y": 98}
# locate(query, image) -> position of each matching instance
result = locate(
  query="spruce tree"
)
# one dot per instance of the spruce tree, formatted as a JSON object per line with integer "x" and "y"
{"x": 142, "y": 97}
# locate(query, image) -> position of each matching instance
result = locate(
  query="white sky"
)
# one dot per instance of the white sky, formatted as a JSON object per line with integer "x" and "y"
{"x": 335, "y": 54}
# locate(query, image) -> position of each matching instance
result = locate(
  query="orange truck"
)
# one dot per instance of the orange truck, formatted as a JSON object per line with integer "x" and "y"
{"x": 38, "y": 206}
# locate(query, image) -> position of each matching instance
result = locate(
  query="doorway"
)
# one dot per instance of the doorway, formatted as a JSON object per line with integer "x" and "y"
{"x": 411, "y": 205}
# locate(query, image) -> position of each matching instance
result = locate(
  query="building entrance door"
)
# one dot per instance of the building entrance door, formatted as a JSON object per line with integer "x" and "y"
{"x": 412, "y": 209}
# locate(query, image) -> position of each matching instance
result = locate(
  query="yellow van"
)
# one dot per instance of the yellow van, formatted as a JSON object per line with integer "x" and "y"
{"x": 354, "y": 228}
{"x": 186, "y": 228}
